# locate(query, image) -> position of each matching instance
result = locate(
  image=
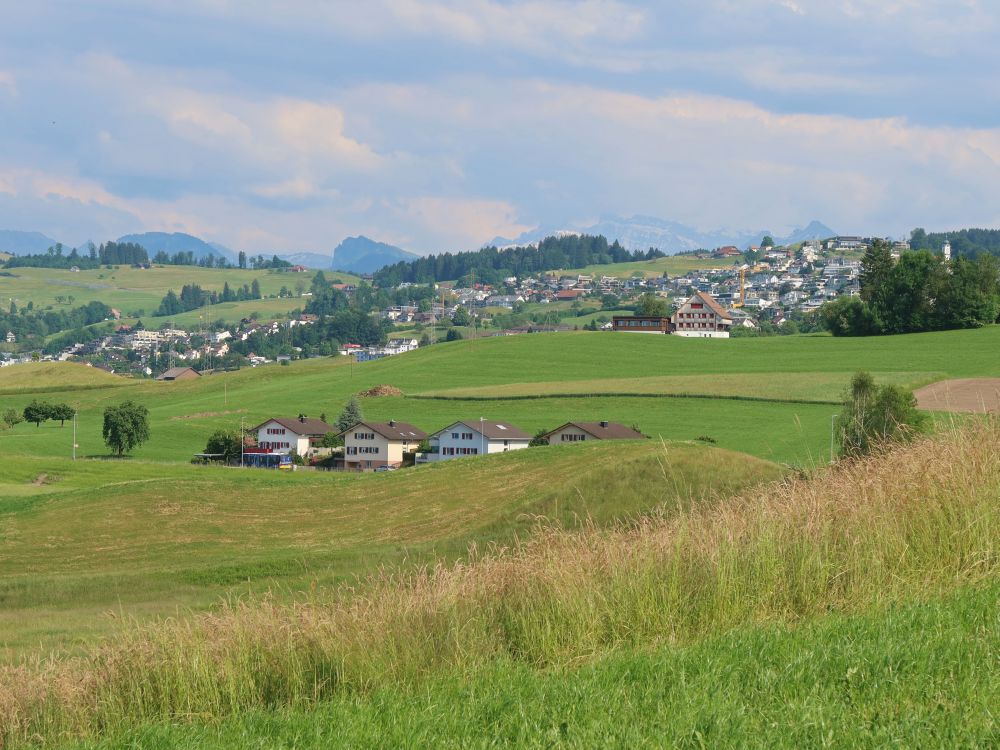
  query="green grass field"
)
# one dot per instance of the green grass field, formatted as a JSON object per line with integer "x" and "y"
{"x": 674, "y": 265}
{"x": 84, "y": 539}
{"x": 853, "y": 608}
{"x": 129, "y": 289}
{"x": 924, "y": 675}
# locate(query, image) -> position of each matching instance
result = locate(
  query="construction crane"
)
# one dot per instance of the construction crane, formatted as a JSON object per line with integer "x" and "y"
{"x": 743, "y": 290}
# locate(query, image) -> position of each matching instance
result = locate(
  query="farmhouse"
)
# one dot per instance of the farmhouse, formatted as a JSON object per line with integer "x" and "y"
{"x": 474, "y": 437}
{"x": 372, "y": 445}
{"x": 285, "y": 434}
{"x": 180, "y": 373}
{"x": 575, "y": 432}
{"x": 641, "y": 324}
{"x": 702, "y": 317}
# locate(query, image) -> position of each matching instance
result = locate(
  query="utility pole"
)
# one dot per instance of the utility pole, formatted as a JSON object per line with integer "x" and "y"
{"x": 482, "y": 437}
{"x": 74, "y": 435}
{"x": 833, "y": 425}
{"x": 241, "y": 442}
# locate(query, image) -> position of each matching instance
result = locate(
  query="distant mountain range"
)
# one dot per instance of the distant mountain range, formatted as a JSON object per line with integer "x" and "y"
{"x": 24, "y": 243}
{"x": 364, "y": 255}
{"x": 644, "y": 232}
{"x": 178, "y": 242}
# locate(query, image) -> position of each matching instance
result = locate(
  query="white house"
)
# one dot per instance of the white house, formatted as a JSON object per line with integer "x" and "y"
{"x": 372, "y": 445}
{"x": 475, "y": 437}
{"x": 284, "y": 435}
{"x": 702, "y": 317}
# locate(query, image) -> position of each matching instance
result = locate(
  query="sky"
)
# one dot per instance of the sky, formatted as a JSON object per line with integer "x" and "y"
{"x": 439, "y": 124}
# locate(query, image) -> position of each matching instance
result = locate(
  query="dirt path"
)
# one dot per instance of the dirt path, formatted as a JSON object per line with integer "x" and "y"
{"x": 977, "y": 395}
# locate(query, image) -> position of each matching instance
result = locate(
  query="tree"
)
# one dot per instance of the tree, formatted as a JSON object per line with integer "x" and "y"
{"x": 425, "y": 340}
{"x": 225, "y": 443}
{"x": 126, "y": 426}
{"x": 37, "y": 412}
{"x": 651, "y": 306}
{"x": 350, "y": 416}
{"x": 768, "y": 241}
{"x": 242, "y": 259}
{"x": 62, "y": 412}
{"x": 876, "y": 416}
{"x": 876, "y": 279}
{"x": 11, "y": 418}
{"x": 453, "y": 335}
{"x": 255, "y": 289}
{"x": 461, "y": 317}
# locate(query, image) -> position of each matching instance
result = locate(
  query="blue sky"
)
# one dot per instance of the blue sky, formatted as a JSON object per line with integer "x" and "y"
{"x": 439, "y": 124}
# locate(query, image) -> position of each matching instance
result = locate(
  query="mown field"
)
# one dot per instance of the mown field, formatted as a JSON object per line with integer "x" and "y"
{"x": 770, "y": 397}
{"x": 131, "y": 290}
{"x": 84, "y": 544}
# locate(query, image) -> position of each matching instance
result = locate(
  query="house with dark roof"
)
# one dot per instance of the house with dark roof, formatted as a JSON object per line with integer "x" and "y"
{"x": 474, "y": 437}
{"x": 702, "y": 317}
{"x": 283, "y": 435}
{"x": 179, "y": 373}
{"x": 577, "y": 432}
{"x": 374, "y": 445}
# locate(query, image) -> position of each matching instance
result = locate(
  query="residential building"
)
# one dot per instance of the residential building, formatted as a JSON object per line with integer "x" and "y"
{"x": 640, "y": 324}
{"x": 475, "y": 437}
{"x": 372, "y": 445}
{"x": 701, "y": 317}
{"x": 287, "y": 434}
{"x": 577, "y": 432}
{"x": 11, "y": 338}
{"x": 179, "y": 373}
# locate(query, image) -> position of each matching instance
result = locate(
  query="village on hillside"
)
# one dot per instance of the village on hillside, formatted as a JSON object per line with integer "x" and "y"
{"x": 763, "y": 289}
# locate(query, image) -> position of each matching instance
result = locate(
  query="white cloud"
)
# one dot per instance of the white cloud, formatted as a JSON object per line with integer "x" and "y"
{"x": 463, "y": 223}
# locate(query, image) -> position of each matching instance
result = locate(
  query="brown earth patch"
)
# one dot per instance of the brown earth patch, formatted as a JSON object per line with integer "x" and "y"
{"x": 381, "y": 390}
{"x": 206, "y": 414}
{"x": 977, "y": 395}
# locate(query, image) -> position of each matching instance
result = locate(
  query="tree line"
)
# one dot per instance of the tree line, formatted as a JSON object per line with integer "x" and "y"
{"x": 491, "y": 265}
{"x": 192, "y": 297}
{"x": 967, "y": 243}
{"x": 919, "y": 292}
{"x": 29, "y": 323}
{"x": 108, "y": 254}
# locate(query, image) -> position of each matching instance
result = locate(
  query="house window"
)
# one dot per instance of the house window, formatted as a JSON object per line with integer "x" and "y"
{"x": 466, "y": 436}
{"x": 569, "y": 437}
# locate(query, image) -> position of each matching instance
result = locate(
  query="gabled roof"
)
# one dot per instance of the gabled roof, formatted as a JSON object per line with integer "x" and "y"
{"x": 602, "y": 430}
{"x": 173, "y": 372}
{"x": 391, "y": 430}
{"x": 300, "y": 425}
{"x": 490, "y": 429}
{"x": 714, "y": 306}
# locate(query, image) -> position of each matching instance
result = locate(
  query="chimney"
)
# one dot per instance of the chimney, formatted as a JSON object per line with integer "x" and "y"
{"x": 604, "y": 424}
{"x": 392, "y": 422}
{"x": 302, "y": 418}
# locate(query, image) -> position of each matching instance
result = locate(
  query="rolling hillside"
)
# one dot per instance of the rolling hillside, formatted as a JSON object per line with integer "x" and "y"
{"x": 139, "y": 291}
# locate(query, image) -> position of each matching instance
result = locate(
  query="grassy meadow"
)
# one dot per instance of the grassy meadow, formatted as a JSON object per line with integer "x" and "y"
{"x": 674, "y": 265}
{"x": 855, "y": 607}
{"x": 132, "y": 289}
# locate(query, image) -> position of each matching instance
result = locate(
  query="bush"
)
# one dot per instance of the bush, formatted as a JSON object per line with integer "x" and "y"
{"x": 876, "y": 416}
{"x": 11, "y": 418}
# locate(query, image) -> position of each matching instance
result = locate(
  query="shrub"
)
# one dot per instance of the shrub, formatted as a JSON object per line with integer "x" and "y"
{"x": 876, "y": 416}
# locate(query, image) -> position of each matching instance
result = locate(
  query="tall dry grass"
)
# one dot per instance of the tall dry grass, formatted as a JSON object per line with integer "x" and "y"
{"x": 913, "y": 522}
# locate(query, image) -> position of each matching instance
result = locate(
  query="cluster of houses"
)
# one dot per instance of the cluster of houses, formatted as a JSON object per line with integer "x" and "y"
{"x": 384, "y": 446}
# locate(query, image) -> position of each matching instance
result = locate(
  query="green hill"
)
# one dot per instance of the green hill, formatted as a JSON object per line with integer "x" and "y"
{"x": 853, "y": 608}
{"x": 82, "y": 538}
{"x": 770, "y": 397}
